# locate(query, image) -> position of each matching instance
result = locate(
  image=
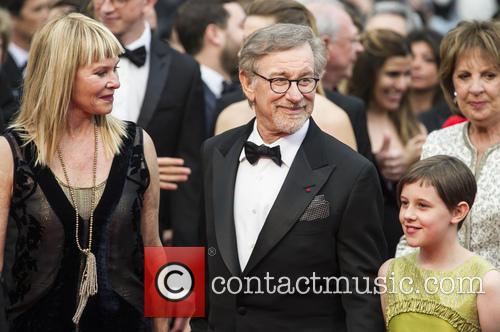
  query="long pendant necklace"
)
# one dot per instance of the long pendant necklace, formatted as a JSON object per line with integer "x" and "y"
{"x": 88, "y": 282}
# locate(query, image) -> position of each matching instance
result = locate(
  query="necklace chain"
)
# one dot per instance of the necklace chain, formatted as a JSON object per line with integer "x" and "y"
{"x": 73, "y": 197}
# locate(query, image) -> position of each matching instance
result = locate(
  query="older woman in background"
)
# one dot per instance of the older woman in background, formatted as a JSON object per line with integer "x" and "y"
{"x": 470, "y": 79}
{"x": 78, "y": 190}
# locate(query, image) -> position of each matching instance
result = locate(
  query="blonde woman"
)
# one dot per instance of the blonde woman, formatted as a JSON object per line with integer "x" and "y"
{"x": 78, "y": 190}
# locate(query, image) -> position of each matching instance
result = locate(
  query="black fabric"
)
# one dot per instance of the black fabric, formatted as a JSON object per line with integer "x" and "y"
{"x": 434, "y": 118}
{"x": 349, "y": 242}
{"x": 254, "y": 152}
{"x": 173, "y": 115}
{"x": 137, "y": 56}
{"x": 355, "y": 109}
{"x": 42, "y": 263}
{"x": 8, "y": 103}
{"x": 14, "y": 75}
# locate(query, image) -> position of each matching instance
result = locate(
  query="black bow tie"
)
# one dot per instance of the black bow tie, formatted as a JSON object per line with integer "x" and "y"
{"x": 137, "y": 56}
{"x": 254, "y": 152}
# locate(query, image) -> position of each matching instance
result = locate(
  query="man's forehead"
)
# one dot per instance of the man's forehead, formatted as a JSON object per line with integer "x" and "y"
{"x": 295, "y": 60}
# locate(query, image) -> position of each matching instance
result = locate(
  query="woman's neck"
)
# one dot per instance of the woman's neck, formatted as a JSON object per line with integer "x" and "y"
{"x": 421, "y": 100}
{"x": 484, "y": 137}
{"x": 78, "y": 126}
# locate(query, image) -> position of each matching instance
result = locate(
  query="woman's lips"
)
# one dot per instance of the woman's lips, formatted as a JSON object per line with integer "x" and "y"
{"x": 108, "y": 98}
{"x": 477, "y": 104}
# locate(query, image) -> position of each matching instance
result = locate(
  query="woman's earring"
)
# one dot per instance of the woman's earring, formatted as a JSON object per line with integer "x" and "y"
{"x": 455, "y": 97}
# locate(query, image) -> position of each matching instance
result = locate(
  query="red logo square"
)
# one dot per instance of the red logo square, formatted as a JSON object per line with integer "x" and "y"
{"x": 174, "y": 281}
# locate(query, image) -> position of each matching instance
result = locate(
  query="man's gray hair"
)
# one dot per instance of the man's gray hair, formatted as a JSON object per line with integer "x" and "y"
{"x": 280, "y": 37}
{"x": 322, "y": 11}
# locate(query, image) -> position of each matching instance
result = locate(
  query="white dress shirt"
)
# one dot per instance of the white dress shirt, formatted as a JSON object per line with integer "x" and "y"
{"x": 129, "y": 97}
{"x": 212, "y": 79}
{"x": 20, "y": 55}
{"x": 257, "y": 187}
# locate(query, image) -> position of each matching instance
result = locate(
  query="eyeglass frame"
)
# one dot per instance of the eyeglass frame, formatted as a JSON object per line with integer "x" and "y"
{"x": 271, "y": 80}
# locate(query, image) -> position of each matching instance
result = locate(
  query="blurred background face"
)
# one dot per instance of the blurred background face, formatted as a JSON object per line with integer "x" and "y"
{"x": 476, "y": 80}
{"x": 424, "y": 69}
{"x": 344, "y": 49}
{"x": 234, "y": 38}
{"x": 125, "y": 18}
{"x": 388, "y": 21}
{"x": 253, "y": 23}
{"x": 32, "y": 17}
{"x": 392, "y": 82}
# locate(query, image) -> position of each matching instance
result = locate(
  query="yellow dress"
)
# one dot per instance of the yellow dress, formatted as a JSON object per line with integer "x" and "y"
{"x": 439, "y": 301}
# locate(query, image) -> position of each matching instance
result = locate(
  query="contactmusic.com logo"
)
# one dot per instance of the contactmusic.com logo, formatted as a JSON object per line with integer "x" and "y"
{"x": 174, "y": 281}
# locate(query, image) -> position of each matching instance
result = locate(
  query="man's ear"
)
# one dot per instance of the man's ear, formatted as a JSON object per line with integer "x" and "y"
{"x": 247, "y": 86}
{"x": 214, "y": 35}
{"x": 459, "y": 212}
{"x": 150, "y": 3}
{"x": 327, "y": 40}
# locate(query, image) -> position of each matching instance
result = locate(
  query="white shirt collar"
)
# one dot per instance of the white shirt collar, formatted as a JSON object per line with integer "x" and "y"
{"x": 143, "y": 40}
{"x": 20, "y": 55}
{"x": 212, "y": 79}
{"x": 289, "y": 145}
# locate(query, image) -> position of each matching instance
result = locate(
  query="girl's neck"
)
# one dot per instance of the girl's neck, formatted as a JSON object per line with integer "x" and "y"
{"x": 443, "y": 256}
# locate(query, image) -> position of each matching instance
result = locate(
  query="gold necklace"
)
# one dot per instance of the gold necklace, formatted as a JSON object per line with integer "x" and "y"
{"x": 88, "y": 283}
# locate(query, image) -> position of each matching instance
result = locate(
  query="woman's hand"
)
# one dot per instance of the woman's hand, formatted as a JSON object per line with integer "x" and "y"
{"x": 393, "y": 163}
{"x": 413, "y": 149}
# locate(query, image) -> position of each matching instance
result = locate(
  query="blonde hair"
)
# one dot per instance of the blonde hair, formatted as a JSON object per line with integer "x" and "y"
{"x": 58, "y": 50}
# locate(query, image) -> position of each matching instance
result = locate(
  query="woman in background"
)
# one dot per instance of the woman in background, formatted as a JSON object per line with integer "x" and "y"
{"x": 470, "y": 79}
{"x": 381, "y": 77}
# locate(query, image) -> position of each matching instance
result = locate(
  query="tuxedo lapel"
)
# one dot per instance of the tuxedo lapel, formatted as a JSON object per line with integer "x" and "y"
{"x": 226, "y": 160}
{"x": 158, "y": 73}
{"x": 309, "y": 171}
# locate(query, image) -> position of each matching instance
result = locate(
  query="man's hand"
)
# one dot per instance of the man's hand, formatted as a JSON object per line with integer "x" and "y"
{"x": 172, "y": 172}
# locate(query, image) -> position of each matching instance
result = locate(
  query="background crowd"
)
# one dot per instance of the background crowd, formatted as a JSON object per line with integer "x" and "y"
{"x": 393, "y": 90}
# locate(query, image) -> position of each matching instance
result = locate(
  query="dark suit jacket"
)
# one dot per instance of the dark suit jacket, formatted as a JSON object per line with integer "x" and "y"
{"x": 14, "y": 75}
{"x": 355, "y": 109}
{"x": 349, "y": 242}
{"x": 8, "y": 104}
{"x": 173, "y": 114}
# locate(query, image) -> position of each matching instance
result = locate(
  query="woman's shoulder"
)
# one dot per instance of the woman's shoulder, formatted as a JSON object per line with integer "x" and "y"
{"x": 447, "y": 133}
{"x": 235, "y": 115}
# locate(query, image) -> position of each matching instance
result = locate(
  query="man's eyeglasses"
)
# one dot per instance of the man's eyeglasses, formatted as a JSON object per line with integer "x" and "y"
{"x": 281, "y": 85}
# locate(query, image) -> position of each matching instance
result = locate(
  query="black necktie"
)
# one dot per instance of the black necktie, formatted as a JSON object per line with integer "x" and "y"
{"x": 137, "y": 56}
{"x": 228, "y": 86}
{"x": 254, "y": 152}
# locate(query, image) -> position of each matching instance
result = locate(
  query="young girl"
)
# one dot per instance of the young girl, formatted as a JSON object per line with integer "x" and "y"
{"x": 442, "y": 287}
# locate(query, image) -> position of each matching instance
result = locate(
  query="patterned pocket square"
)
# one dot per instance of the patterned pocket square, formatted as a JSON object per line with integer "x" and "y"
{"x": 319, "y": 208}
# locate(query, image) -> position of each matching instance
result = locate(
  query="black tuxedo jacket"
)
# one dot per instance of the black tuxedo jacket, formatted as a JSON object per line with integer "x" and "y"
{"x": 173, "y": 114}
{"x": 348, "y": 242}
{"x": 355, "y": 109}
